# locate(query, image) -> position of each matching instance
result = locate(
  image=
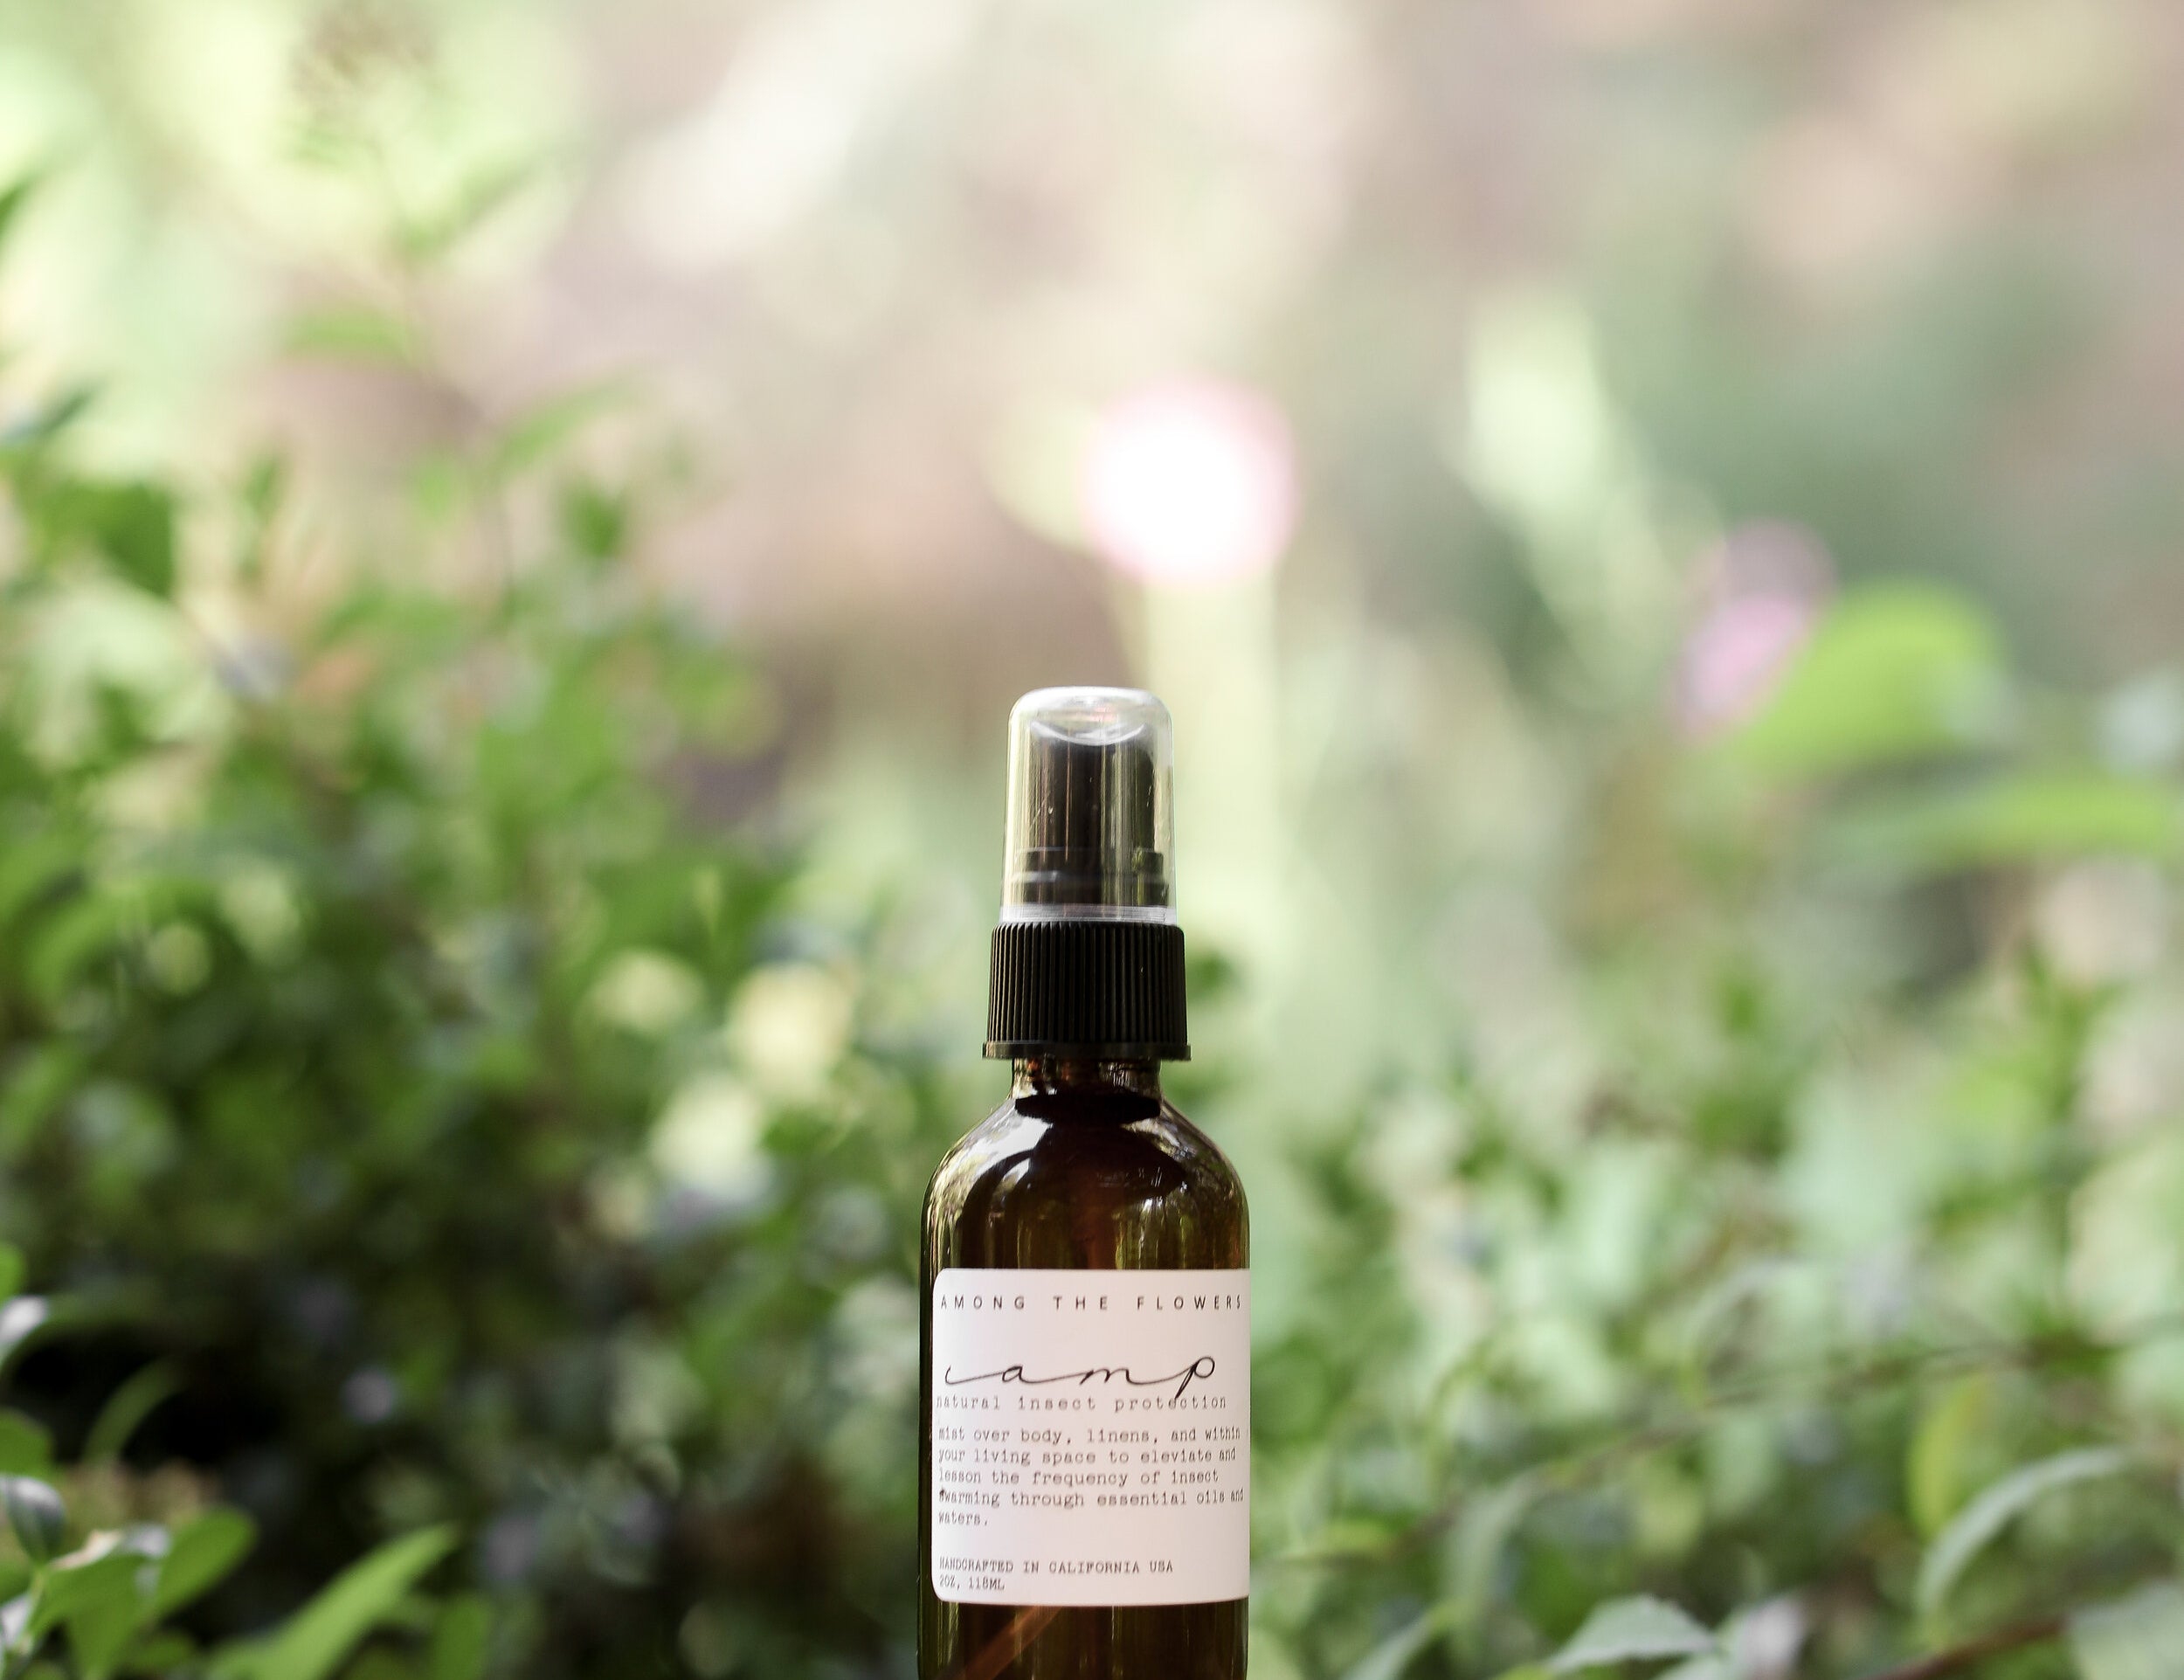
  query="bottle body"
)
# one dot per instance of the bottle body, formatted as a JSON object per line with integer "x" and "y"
{"x": 1085, "y": 1171}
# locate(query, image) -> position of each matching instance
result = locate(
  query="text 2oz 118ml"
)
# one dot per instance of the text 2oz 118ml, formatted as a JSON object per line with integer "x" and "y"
{"x": 1086, "y": 1486}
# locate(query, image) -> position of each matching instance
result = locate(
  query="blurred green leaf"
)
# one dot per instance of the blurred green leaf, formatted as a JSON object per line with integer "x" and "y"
{"x": 425, "y": 237}
{"x": 131, "y": 523}
{"x": 355, "y": 334}
{"x": 462, "y": 1639}
{"x": 15, "y": 198}
{"x": 1628, "y": 1630}
{"x": 107, "y": 1613}
{"x": 1893, "y": 672}
{"x": 2019, "y": 819}
{"x": 10, "y": 1270}
{"x": 595, "y": 521}
{"x": 36, "y": 1516}
{"x": 25, "y": 1448}
{"x": 34, "y": 866}
{"x": 35, "y": 1088}
{"x": 1400, "y": 1649}
{"x": 99, "y": 1585}
{"x": 203, "y": 1553}
{"x": 126, "y": 1409}
{"x": 313, "y": 1644}
{"x": 1976, "y": 1526}
{"x": 161, "y": 1653}
{"x": 1483, "y": 1532}
{"x": 541, "y": 431}
{"x": 2140, "y": 1637}
{"x": 1940, "y": 1449}
{"x": 28, "y": 433}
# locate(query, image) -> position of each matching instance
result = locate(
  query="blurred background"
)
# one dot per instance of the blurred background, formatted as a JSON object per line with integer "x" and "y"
{"x": 1661, "y": 523}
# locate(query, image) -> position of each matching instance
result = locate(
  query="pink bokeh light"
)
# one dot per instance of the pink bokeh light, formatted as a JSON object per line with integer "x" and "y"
{"x": 1761, "y": 591}
{"x": 1191, "y": 481}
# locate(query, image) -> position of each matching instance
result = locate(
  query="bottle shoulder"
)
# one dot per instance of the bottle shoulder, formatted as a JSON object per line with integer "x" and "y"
{"x": 1041, "y": 1182}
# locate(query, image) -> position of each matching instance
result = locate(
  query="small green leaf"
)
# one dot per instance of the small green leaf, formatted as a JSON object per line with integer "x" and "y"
{"x": 35, "y": 1514}
{"x": 319, "y": 1637}
{"x": 1969, "y": 1533}
{"x": 203, "y": 1555}
{"x": 1627, "y": 1629}
{"x": 131, "y": 1403}
{"x": 2136, "y": 1638}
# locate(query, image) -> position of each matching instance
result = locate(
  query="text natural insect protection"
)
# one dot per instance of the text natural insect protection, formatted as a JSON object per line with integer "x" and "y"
{"x": 1087, "y": 1374}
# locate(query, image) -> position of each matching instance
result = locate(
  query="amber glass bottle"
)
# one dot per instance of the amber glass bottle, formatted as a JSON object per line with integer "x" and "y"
{"x": 1085, "y": 1486}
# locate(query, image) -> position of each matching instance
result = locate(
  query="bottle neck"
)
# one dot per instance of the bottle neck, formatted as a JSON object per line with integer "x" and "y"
{"x": 1046, "y": 1075}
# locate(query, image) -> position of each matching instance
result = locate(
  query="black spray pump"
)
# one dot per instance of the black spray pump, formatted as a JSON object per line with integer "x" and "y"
{"x": 1088, "y": 960}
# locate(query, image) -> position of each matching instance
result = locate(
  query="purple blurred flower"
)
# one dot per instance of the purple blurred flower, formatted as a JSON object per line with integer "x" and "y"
{"x": 1762, "y": 591}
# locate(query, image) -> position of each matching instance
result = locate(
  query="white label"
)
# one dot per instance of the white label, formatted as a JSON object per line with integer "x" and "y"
{"x": 1091, "y": 1437}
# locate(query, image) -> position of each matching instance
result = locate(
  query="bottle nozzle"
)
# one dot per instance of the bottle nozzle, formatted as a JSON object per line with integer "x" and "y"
{"x": 1090, "y": 826}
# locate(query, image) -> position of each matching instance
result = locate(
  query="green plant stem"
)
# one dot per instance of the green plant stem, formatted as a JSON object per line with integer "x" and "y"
{"x": 1958, "y": 1658}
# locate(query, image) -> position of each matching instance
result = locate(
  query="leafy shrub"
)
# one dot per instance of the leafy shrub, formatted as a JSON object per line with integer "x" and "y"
{"x": 1826, "y": 1323}
{"x": 99, "y": 1604}
{"x": 417, "y": 1084}
{"x": 438, "y": 1127}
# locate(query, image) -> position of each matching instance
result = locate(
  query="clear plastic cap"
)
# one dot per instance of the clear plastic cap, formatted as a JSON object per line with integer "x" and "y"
{"x": 1091, "y": 824}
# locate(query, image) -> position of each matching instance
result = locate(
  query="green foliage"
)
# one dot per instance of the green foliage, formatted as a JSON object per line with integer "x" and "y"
{"x": 2137, "y": 1638}
{"x": 106, "y": 1601}
{"x": 1840, "y": 1308}
{"x": 449, "y": 1140}
{"x": 393, "y": 1096}
{"x": 199, "y": 1555}
{"x": 1631, "y": 1629}
{"x": 1897, "y": 673}
{"x": 319, "y": 1637}
{"x": 1956, "y": 1546}
{"x": 2019, "y": 818}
